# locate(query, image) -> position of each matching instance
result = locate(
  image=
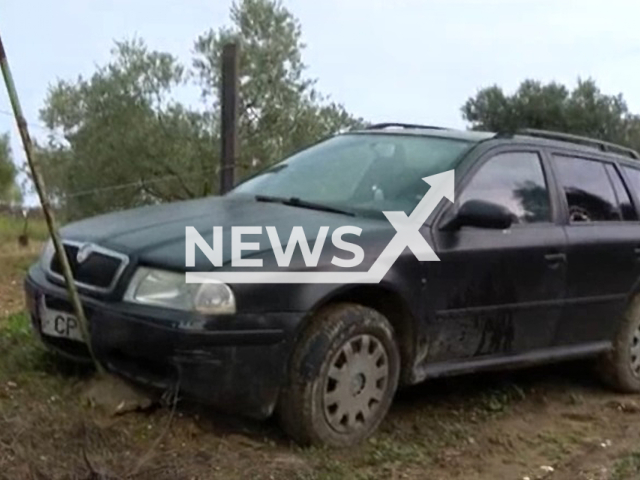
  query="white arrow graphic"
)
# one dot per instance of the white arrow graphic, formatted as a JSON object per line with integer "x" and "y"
{"x": 407, "y": 235}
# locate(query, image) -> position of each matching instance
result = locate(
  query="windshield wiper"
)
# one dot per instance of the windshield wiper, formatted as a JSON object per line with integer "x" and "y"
{"x": 297, "y": 202}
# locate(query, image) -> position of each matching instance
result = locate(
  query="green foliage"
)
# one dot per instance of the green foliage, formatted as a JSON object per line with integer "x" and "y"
{"x": 281, "y": 111}
{"x": 122, "y": 125}
{"x": 9, "y": 190}
{"x": 583, "y": 111}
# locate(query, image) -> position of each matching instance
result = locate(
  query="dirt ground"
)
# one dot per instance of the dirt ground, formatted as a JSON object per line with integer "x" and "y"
{"x": 553, "y": 423}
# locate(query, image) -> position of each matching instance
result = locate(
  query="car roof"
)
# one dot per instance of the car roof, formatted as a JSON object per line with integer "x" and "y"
{"x": 572, "y": 142}
{"x": 466, "y": 135}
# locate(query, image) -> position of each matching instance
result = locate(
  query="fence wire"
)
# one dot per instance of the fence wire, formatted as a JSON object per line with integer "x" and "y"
{"x": 140, "y": 183}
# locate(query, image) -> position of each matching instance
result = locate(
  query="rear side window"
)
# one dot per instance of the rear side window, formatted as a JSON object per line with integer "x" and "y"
{"x": 516, "y": 181}
{"x": 622, "y": 195}
{"x": 634, "y": 177}
{"x": 588, "y": 190}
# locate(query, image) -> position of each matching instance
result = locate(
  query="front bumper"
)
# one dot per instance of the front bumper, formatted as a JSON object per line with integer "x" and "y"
{"x": 237, "y": 364}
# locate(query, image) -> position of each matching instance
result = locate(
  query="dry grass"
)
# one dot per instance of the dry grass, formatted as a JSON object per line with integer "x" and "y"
{"x": 12, "y": 227}
{"x": 15, "y": 259}
{"x": 14, "y": 262}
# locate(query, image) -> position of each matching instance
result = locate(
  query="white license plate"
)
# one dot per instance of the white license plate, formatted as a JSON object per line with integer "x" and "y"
{"x": 59, "y": 324}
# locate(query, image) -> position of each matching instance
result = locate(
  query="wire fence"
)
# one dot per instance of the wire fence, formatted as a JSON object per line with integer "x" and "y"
{"x": 35, "y": 126}
{"x": 141, "y": 183}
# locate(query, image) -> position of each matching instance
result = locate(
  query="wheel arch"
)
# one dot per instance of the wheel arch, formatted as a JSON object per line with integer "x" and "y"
{"x": 634, "y": 293}
{"x": 387, "y": 302}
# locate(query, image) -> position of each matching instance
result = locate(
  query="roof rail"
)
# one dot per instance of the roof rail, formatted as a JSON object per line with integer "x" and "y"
{"x": 380, "y": 126}
{"x": 590, "y": 142}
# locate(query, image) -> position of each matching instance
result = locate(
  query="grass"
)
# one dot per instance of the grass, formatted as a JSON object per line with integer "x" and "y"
{"x": 41, "y": 410}
{"x": 627, "y": 467}
{"x": 41, "y": 391}
{"x": 20, "y": 350}
{"x": 11, "y": 227}
{"x": 25, "y": 360}
{"x": 433, "y": 429}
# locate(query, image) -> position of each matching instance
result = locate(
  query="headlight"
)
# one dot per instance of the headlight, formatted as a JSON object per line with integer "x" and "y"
{"x": 168, "y": 289}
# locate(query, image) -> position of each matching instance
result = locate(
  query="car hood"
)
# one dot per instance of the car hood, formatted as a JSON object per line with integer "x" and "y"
{"x": 155, "y": 235}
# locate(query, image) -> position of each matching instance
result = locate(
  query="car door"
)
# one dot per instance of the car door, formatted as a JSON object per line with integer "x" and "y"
{"x": 603, "y": 234}
{"x": 499, "y": 292}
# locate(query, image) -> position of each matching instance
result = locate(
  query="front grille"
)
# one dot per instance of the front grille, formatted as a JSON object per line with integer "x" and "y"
{"x": 99, "y": 270}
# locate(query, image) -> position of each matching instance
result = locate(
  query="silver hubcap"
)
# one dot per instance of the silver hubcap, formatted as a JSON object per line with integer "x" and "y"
{"x": 356, "y": 383}
{"x": 635, "y": 353}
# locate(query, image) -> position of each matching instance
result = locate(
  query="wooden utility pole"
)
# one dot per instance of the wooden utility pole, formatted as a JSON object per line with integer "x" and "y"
{"x": 229, "y": 113}
{"x": 46, "y": 206}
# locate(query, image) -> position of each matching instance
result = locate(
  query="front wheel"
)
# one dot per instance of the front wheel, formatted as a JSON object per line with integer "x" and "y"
{"x": 342, "y": 378}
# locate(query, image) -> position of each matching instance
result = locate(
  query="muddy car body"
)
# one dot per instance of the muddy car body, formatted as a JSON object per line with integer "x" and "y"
{"x": 539, "y": 262}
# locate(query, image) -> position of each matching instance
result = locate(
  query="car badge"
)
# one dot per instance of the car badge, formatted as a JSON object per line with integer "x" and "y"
{"x": 84, "y": 252}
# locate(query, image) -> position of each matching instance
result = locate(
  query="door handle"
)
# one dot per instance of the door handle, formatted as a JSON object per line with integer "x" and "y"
{"x": 555, "y": 258}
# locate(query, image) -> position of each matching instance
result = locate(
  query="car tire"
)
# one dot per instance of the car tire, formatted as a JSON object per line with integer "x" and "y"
{"x": 620, "y": 367}
{"x": 342, "y": 377}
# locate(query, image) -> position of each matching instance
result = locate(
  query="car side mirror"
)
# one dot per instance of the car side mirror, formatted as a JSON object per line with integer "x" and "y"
{"x": 481, "y": 214}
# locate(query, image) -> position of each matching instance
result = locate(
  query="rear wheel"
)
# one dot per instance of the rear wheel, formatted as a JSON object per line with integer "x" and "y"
{"x": 342, "y": 379}
{"x": 620, "y": 367}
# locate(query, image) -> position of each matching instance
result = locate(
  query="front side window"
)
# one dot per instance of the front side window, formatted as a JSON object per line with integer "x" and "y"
{"x": 588, "y": 190}
{"x": 360, "y": 172}
{"x": 516, "y": 181}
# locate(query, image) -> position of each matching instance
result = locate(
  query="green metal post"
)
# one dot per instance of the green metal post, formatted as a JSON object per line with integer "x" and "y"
{"x": 46, "y": 206}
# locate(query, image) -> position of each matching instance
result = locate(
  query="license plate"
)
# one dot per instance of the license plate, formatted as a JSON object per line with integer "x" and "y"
{"x": 56, "y": 323}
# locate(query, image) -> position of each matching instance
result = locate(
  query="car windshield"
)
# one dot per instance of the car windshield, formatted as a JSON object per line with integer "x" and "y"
{"x": 359, "y": 172}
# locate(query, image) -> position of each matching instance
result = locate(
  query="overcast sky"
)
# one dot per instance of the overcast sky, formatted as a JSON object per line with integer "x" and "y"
{"x": 400, "y": 60}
